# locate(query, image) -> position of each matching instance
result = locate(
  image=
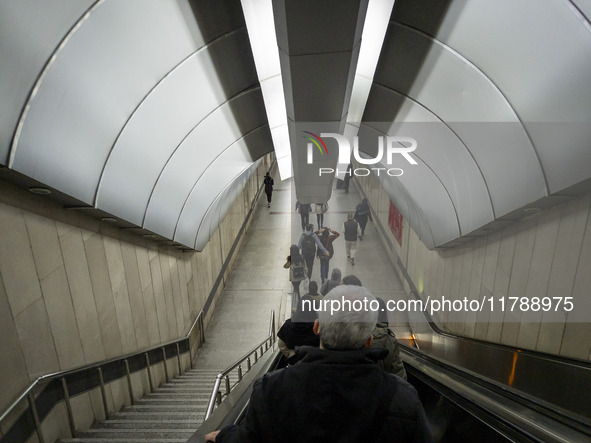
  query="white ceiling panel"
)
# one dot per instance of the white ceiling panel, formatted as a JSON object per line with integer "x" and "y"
{"x": 30, "y": 31}
{"x": 197, "y": 152}
{"x": 539, "y": 55}
{"x": 65, "y": 141}
{"x": 159, "y": 125}
{"x": 219, "y": 208}
{"x": 229, "y": 165}
{"x": 443, "y": 154}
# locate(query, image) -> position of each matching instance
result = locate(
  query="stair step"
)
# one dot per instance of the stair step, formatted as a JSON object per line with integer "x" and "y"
{"x": 117, "y": 440}
{"x": 151, "y": 424}
{"x": 172, "y": 401}
{"x": 170, "y": 414}
{"x": 171, "y": 390}
{"x": 139, "y": 416}
{"x": 145, "y": 433}
{"x": 166, "y": 408}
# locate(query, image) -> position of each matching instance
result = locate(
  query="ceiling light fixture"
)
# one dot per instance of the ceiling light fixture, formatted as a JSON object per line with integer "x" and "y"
{"x": 260, "y": 25}
{"x": 40, "y": 190}
{"x": 376, "y": 23}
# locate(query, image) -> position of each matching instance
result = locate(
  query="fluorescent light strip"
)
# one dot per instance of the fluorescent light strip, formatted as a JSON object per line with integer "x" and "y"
{"x": 372, "y": 39}
{"x": 261, "y": 32}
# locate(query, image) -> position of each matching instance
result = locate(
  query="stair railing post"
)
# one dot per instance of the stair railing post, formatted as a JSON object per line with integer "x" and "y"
{"x": 69, "y": 407}
{"x": 164, "y": 363}
{"x": 227, "y": 385}
{"x": 178, "y": 357}
{"x": 129, "y": 386}
{"x": 149, "y": 370}
{"x": 35, "y": 418}
{"x": 103, "y": 393}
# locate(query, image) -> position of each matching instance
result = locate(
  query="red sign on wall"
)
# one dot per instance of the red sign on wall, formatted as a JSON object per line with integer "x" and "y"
{"x": 395, "y": 222}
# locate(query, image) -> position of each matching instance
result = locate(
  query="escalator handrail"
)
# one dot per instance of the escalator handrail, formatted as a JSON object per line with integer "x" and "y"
{"x": 503, "y": 402}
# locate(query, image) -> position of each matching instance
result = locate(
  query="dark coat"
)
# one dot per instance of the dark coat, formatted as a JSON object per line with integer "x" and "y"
{"x": 331, "y": 396}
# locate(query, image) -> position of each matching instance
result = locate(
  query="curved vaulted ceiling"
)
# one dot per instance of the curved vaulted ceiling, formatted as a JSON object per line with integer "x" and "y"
{"x": 152, "y": 110}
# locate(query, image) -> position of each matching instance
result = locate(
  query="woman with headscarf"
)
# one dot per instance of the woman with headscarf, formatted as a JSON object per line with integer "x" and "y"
{"x": 362, "y": 214}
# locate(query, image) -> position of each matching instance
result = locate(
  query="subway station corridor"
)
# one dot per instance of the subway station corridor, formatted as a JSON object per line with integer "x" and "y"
{"x": 141, "y": 270}
{"x": 259, "y": 283}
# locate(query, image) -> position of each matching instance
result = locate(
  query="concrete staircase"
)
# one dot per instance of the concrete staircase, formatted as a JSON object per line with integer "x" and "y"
{"x": 171, "y": 414}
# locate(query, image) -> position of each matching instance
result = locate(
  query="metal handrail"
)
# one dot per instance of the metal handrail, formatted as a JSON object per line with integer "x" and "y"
{"x": 238, "y": 364}
{"x": 61, "y": 374}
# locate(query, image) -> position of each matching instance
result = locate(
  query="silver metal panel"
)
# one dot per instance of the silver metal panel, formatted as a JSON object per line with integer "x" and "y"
{"x": 219, "y": 208}
{"x": 168, "y": 114}
{"x": 459, "y": 94}
{"x": 539, "y": 56}
{"x": 30, "y": 30}
{"x": 428, "y": 193}
{"x": 171, "y": 111}
{"x": 197, "y": 152}
{"x": 226, "y": 168}
{"x": 443, "y": 154}
{"x": 94, "y": 85}
{"x": 584, "y": 6}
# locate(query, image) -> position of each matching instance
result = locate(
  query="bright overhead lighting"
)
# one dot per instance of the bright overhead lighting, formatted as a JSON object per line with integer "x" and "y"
{"x": 260, "y": 24}
{"x": 372, "y": 39}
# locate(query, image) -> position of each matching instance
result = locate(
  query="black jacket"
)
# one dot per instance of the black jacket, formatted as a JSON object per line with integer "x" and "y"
{"x": 331, "y": 396}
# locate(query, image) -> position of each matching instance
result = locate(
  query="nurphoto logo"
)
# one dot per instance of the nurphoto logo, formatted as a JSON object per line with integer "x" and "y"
{"x": 387, "y": 145}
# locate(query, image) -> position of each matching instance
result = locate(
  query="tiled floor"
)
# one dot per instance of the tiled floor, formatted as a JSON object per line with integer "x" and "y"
{"x": 259, "y": 283}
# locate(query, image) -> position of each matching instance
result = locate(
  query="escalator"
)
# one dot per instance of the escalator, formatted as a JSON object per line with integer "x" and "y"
{"x": 465, "y": 406}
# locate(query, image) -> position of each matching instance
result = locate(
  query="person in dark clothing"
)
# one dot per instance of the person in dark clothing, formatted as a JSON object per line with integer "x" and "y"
{"x": 298, "y": 331}
{"x": 384, "y": 337}
{"x": 335, "y": 280}
{"x": 362, "y": 214}
{"x": 297, "y": 268}
{"x": 326, "y": 236}
{"x": 313, "y": 291}
{"x": 268, "y": 182}
{"x": 347, "y": 178}
{"x": 335, "y": 393}
{"x": 351, "y": 280}
{"x": 308, "y": 243}
{"x": 304, "y": 210}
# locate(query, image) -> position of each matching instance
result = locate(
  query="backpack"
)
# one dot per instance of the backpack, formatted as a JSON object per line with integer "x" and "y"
{"x": 324, "y": 207}
{"x": 308, "y": 245}
{"x": 305, "y": 208}
{"x": 298, "y": 270}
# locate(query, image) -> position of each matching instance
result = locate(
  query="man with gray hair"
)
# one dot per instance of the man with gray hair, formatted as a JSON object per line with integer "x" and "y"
{"x": 335, "y": 393}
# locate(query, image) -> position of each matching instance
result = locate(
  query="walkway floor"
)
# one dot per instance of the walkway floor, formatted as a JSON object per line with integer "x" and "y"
{"x": 258, "y": 282}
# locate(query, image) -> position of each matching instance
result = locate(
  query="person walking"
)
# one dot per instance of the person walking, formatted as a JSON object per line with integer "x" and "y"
{"x": 308, "y": 243}
{"x": 320, "y": 209}
{"x": 362, "y": 214}
{"x": 352, "y": 232}
{"x": 326, "y": 236}
{"x": 297, "y": 269}
{"x": 268, "y": 181}
{"x": 347, "y": 178}
{"x": 304, "y": 210}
